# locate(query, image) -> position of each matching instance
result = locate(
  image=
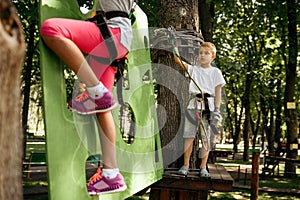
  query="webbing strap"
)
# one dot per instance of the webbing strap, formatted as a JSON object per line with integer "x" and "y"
{"x": 112, "y": 14}
{"x": 206, "y": 110}
{"x": 111, "y": 61}
{"x": 107, "y": 37}
{"x": 120, "y": 65}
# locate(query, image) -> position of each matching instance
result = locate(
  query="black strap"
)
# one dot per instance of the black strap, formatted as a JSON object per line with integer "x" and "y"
{"x": 120, "y": 64}
{"x": 99, "y": 18}
{"x": 206, "y": 110}
{"x": 111, "y": 61}
{"x": 112, "y": 14}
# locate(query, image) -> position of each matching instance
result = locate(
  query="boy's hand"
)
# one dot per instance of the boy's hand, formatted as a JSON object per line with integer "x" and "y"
{"x": 175, "y": 51}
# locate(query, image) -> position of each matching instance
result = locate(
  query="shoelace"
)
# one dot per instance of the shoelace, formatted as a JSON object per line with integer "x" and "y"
{"x": 82, "y": 96}
{"x": 97, "y": 176}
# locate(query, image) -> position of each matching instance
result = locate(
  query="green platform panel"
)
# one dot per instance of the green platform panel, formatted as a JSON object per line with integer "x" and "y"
{"x": 72, "y": 138}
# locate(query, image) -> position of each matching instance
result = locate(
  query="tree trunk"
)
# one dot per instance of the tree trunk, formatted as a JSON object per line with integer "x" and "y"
{"x": 27, "y": 83}
{"x": 206, "y": 13}
{"x": 11, "y": 58}
{"x": 246, "y": 130}
{"x": 290, "y": 111}
{"x": 171, "y": 82}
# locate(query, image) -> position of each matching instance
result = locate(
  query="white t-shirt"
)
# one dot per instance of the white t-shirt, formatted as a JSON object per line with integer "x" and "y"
{"x": 206, "y": 78}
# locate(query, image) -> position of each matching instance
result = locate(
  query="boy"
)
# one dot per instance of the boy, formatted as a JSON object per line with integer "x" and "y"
{"x": 210, "y": 80}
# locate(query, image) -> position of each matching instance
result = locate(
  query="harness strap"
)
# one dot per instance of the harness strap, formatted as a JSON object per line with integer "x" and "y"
{"x": 106, "y": 35}
{"x": 120, "y": 64}
{"x": 205, "y": 111}
{"x": 112, "y": 14}
{"x": 111, "y": 61}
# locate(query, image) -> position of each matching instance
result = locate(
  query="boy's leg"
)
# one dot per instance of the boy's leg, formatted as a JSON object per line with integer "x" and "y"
{"x": 206, "y": 147}
{"x": 204, "y": 156}
{"x": 188, "y": 148}
{"x": 189, "y": 133}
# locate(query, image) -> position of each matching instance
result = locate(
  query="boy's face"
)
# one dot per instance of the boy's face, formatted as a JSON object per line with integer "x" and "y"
{"x": 206, "y": 56}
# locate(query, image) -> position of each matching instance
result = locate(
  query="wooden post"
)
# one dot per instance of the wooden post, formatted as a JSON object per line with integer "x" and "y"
{"x": 239, "y": 172}
{"x": 245, "y": 176}
{"x": 255, "y": 176}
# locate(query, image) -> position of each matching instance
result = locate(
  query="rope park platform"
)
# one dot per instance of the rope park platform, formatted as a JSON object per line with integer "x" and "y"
{"x": 191, "y": 186}
{"x": 72, "y": 138}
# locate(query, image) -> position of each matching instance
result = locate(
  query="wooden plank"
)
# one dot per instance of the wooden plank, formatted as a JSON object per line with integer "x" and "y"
{"x": 223, "y": 173}
{"x": 214, "y": 172}
{"x": 220, "y": 180}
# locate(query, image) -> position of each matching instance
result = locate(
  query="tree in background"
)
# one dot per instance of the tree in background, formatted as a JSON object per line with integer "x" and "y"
{"x": 11, "y": 58}
{"x": 291, "y": 81}
{"x": 31, "y": 80}
{"x": 252, "y": 41}
{"x": 206, "y": 15}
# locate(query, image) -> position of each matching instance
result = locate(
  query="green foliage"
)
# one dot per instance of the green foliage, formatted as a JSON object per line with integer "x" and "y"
{"x": 251, "y": 40}
{"x": 150, "y": 7}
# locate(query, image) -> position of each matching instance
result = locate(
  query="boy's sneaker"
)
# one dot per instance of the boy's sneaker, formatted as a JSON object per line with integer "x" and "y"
{"x": 101, "y": 185}
{"x": 183, "y": 170}
{"x": 203, "y": 173}
{"x": 84, "y": 104}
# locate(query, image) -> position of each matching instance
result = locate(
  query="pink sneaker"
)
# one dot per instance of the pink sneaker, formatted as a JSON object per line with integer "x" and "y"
{"x": 85, "y": 104}
{"x": 101, "y": 185}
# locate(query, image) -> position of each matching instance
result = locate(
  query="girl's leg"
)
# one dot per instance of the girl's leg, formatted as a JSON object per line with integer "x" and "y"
{"x": 73, "y": 57}
{"x": 108, "y": 129}
{"x": 69, "y": 38}
{"x": 108, "y": 140}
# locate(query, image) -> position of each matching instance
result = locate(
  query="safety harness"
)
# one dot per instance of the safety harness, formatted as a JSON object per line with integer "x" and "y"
{"x": 200, "y": 98}
{"x": 101, "y": 23}
{"x": 99, "y": 19}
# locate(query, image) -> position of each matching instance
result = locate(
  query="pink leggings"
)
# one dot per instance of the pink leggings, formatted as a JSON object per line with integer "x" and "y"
{"x": 87, "y": 36}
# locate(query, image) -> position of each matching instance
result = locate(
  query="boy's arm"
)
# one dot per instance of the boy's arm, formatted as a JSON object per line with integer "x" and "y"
{"x": 180, "y": 63}
{"x": 218, "y": 97}
{"x": 216, "y": 115}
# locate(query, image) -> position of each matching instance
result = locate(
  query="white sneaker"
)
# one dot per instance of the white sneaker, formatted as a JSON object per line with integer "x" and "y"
{"x": 204, "y": 173}
{"x": 183, "y": 170}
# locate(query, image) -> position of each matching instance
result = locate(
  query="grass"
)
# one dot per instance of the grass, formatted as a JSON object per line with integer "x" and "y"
{"x": 34, "y": 146}
{"x": 277, "y": 182}
{"x": 35, "y": 183}
{"x": 245, "y": 194}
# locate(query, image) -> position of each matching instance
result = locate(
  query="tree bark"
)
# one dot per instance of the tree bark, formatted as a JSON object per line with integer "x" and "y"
{"x": 172, "y": 85}
{"x": 290, "y": 112}
{"x": 246, "y": 130}
{"x": 11, "y": 58}
{"x": 206, "y": 13}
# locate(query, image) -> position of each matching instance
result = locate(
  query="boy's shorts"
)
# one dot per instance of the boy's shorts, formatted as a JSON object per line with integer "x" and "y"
{"x": 191, "y": 124}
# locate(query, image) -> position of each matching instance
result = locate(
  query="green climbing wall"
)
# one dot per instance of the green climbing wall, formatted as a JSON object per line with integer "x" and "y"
{"x": 69, "y": 144}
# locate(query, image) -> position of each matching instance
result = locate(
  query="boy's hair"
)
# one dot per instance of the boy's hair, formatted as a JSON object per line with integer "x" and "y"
{"x": 211, "y": 46}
